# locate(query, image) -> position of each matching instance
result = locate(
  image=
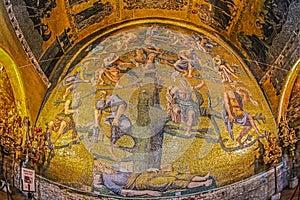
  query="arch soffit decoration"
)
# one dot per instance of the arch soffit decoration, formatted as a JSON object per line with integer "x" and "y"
{"x": 15, "y": 81}
{"x": 288, "y": 88}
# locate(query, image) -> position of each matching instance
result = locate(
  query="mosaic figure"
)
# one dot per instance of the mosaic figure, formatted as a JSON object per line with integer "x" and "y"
{"x": 120, "y": 124}
{"x": 63, "y": 122}
{"x": 111, "y": 69}
{"x": 187, "y": 62}
{"x": 233, "y": 113}
{"x": 224, "y": 69}
{"x": 182, "y": 108}
{"x": 72, "y": 80}
{"x": 152, "y": 182}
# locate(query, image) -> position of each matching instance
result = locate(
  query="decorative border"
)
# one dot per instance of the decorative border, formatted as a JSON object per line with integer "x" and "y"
{"x": 102, "y": 10}
{"x": 155, "y": 4}
{"x": 24, "y": 43}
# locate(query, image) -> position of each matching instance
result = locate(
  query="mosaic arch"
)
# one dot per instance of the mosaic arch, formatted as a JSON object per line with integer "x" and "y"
{"x": 12, "y": 89}
{"x": 154, "y": 110}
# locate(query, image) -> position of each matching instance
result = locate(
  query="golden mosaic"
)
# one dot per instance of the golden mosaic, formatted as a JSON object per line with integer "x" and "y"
{"x": 154, "y": 110}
